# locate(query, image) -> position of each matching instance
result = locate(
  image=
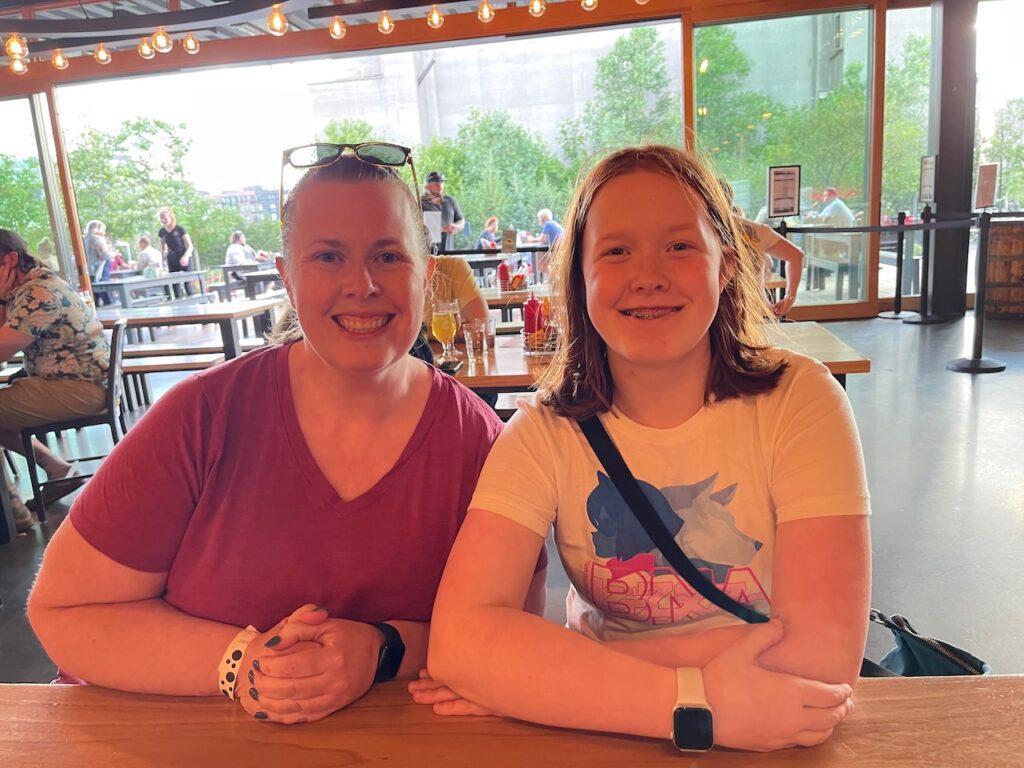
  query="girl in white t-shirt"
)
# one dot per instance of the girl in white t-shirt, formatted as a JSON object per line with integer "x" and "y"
{"x": 749, "y": 455}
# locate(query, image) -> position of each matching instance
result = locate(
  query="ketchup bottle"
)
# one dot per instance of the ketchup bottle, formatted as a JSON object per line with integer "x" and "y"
{"x": 503, "y": 275}
{"x": 531, "y": 315}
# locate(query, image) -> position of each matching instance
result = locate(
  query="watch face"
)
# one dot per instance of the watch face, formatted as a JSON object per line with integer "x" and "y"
{"x": 693, "y": 729}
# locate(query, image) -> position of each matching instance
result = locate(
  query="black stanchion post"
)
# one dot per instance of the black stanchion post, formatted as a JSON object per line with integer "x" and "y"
{"x": 924, "y": 316}
{"x": 897, "y": 311}
{"x": 976, "y": 363}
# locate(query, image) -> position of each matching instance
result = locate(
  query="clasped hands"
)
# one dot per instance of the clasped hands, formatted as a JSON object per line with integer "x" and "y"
{"x": 307, "y": 666}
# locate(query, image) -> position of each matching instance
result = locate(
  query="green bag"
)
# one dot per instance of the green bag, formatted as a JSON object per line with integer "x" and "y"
{"x": 916, "y": 655}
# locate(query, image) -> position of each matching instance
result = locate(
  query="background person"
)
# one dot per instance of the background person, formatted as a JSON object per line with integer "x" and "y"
{"x": 239, "y": 252}
{"x": 375, "y": 457}
{"x": 176, "y": 246}
{"x": 149, "y": 257}
{"x": 66, "y": 361}
{"x": 549, "y": 234}
{"x": 434, "y": 199}
{"x": 835, "y": 213}
{"x": 749, "y": 455}
{"x": 99, "y": 256}
{"x": 489, "y": 235}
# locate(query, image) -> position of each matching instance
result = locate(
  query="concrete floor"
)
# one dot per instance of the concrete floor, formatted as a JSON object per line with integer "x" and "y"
{"x": 943, "y": 455}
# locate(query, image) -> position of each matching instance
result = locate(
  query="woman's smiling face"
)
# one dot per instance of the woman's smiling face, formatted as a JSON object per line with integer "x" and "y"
{"x": 652, "y": 266}
{"x": 355, "y": 272}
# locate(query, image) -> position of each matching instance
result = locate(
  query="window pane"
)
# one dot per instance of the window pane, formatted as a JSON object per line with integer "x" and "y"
{"x": 508, "y": 122}
{"x": 22, "y": 201}
{"x": 907, "y": 87}
{"x": 793, "y": 91}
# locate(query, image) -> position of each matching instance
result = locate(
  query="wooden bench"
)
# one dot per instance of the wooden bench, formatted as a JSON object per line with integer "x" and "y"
{"x": 134, "y": 371}
{"x": 135, "y": 351}
{"x": 506, "y": 404}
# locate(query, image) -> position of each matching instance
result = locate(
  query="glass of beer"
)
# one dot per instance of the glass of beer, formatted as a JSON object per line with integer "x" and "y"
{"x": 444, "y": 323}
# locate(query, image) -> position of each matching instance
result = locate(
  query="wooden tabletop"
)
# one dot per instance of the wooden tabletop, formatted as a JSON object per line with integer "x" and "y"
{"x": 958, "y": 722}
{"x": 506, "y": 369}
{"x": 186, "y": 314}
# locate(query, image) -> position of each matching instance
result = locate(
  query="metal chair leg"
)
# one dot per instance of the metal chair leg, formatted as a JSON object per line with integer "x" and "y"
{"x": 33, "y": 475}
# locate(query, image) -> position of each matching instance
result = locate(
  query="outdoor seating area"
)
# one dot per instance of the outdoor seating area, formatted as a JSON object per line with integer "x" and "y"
{"x": 541, "y": 382}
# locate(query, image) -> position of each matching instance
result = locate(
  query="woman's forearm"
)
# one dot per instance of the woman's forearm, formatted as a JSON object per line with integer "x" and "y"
{"x": 686, "y": 650}
{"x": 501, "y": 658}
{"x": 145, "y": 647}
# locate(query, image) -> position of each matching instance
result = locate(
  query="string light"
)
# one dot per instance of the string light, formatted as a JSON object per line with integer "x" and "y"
{"x": 19, "y": 66}
{"x": 146, "y": 49}
{"x": 101, "y": 54}
{"x": 59, "y": 60}
{"x": 435, "y": 19}
{"x": 642, "y": 2}
{"x": 537, "y": 8}
{"x": 16, "y": 47}
{"x": 385, "y": 23}
{"x": 277, "y": 22}
{"x": 485, "y": 12}
{"x": 338, "y": 28}
{"x": 588, "y": 5}
{"x": 162, "y": 42}
{"x": 190, "y": 44}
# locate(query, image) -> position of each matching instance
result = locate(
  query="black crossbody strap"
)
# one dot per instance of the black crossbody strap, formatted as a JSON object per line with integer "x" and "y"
{"x": 641, "y": 508}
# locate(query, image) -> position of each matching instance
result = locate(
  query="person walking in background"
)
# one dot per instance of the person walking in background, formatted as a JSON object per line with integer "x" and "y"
{"x": 149, "y": 257}
{"x": 66, "y": 361}
{"x": 435, "y": 200}
{"x": 176, "y": 246}
{"x": 99, "y": 256}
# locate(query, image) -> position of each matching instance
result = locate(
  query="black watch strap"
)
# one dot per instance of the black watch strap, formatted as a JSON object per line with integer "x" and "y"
{"x": 392, "y": 651}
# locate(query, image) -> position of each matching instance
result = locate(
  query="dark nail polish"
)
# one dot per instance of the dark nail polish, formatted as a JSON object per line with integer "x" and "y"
{"x": 254, "y": 693}
{"x": 260, "y": 715}
{"x": 273, "y": 641}
{"x": 256, "y": 665}
{"x": 252, "y": 677}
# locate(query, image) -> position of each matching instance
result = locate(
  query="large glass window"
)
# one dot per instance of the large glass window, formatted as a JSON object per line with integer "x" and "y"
{"x": 22, "y": 200}
{"x": 793, "y": 91}
{"x": 907, "y": 87}
{"x": 509, "y": 123}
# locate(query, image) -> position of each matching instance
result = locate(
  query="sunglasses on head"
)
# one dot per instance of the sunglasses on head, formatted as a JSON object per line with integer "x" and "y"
{"x": 323, "y": 153}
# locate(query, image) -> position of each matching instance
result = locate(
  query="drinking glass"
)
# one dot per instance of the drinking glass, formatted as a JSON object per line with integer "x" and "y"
{"x": 474, "y": 332}
{"x": 444, "y": 323}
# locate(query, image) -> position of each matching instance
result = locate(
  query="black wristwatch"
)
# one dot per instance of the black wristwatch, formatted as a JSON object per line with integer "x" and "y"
{"x": 693, "y": 728}
{"x": 392, "y": 651}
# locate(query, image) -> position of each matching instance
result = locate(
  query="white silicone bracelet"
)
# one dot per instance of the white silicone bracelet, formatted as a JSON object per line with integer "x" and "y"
{"x": 228, "y": 672}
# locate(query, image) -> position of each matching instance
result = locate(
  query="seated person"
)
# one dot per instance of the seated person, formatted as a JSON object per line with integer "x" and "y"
{"x": 241, "y": 253}
{"x": 489, "y": 237}
{"x": 149, "y": 257}
{"x": 454, "y": 281}
{"x": 308, "y": 571}
{"x": 66, "y": 362}
{"x": 748, "y": 455}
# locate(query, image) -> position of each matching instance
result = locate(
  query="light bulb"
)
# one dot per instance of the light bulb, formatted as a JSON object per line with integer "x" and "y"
{"x": 190, "y": 44}
{"x": 146, "y": 49}
{"x": 16, "y": 47}
{"x": 162, "y": 42}
{"x": 19, "y": 66}
{"x": 277, "y": 22}
{"x": 385, "y": 23}
{"x": 588, "y": 5}
{"x": 101, "y": 54}
{"x": 59, "y": 60}
{"x": 537, "y": 7}
{"x": 338, "y": 28}
{"x": 642, "y": 2}
{"x": 435, "y": 19}
{"x": 485, "y": 12}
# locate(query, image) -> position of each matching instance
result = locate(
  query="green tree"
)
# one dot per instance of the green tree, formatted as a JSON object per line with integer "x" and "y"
{"x": 906, "y": 123}
{"x": 21, "y": 199}
{"x": 347, "y": 131}
{"x": 632, "y": 104}
{"x": 1006, "y": 147}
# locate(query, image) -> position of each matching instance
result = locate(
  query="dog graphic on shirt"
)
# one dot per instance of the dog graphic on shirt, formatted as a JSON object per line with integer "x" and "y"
{"x": 695, "y": 515}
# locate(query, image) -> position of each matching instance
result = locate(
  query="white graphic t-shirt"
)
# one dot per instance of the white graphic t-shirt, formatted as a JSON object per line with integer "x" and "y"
{"x": 722, "y": 482}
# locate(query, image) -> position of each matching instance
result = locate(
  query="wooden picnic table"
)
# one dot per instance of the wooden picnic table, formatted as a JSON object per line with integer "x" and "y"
{"x": 933, "y": 722}
{"x": 131, "y": 290}
{"x": 254, "y": 281}
{"x": 223, "y": 315}
{"x": 507, "y": 369}
{"x": 231, "y": 270}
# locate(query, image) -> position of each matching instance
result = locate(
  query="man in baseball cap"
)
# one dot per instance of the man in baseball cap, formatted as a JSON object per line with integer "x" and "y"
{"x": 434, "y": 199}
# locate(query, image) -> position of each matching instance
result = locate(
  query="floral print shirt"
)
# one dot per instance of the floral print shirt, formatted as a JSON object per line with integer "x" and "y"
{"x": 69, "y": 341}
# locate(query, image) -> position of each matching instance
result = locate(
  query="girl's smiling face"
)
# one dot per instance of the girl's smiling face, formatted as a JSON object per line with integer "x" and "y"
{"x": 653, "y": 270}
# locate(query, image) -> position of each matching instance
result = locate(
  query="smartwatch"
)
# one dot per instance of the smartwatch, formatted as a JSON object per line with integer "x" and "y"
{"x": 692, "y": 725}
{"x": 392, "y": 650}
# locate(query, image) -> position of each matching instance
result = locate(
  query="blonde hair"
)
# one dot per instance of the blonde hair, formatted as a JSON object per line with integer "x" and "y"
{"x": 578, "y": 383}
